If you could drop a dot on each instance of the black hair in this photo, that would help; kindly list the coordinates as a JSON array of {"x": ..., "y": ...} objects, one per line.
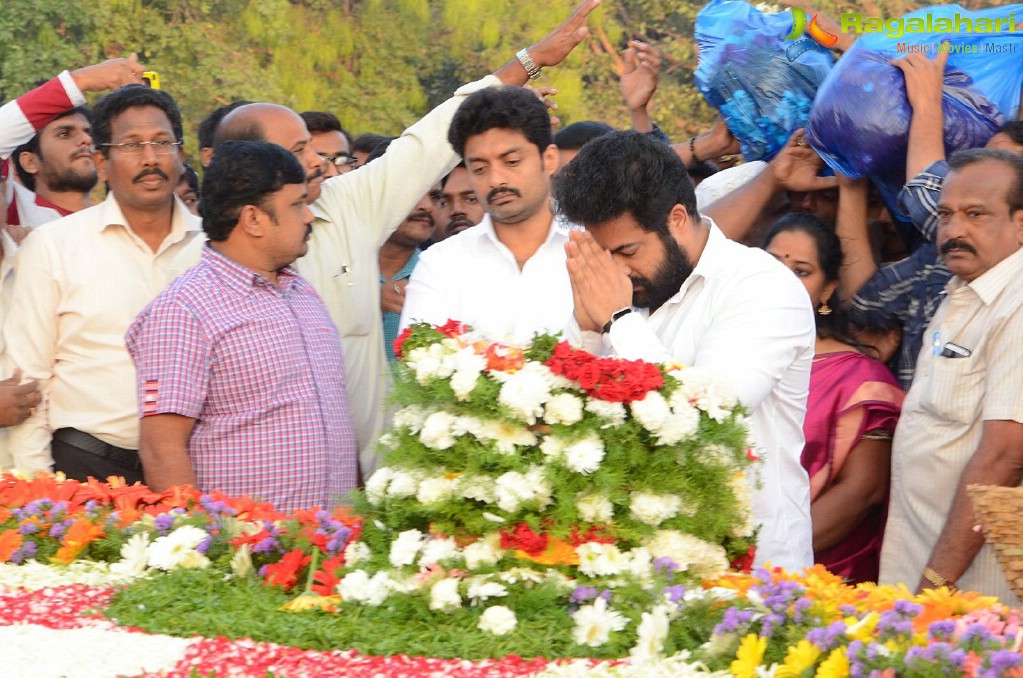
[
  {"x": 191, "y": 176},
  {"x": 829, "y": 257},
  {"x": 971, "y": 156},
  {"x": 208, "y": 126},
  {"x": 365, "y": 143},
  {"x": 1014, "y": 130},
  {"x": 378, "y": 150},
  {"x": 623, "y": 172},
  {"x": 573, "y": 137},
  {"x": 27, "y": 179},
  {"x": 511, "y": 108},
  {"x": 319, "y": 122},
  {"x": 702, "y": 170},
  {"x": 131, "y": 96},
  {"x": 444, "y": 181},
  {"x": 243, "y": 173}
]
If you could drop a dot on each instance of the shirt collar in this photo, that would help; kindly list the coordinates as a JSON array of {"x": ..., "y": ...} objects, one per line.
[
  {"x": 182, "y": 221},
  {"x": 241, "y": 279},
  {"x": 711, "y": 260},
  {"x": 487, "y": 226},
  {"x": 991, "y": 283}
]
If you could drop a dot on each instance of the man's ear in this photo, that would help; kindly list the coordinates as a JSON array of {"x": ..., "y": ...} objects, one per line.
[
  {"x": 1017, "y": 220},
  {"x": 100, "y": 160},
  {"x": 678, "y": 220},
  {"x": 551, "y": 160},
  {"x": 29, "y": 162},
  {"x": 253, "y": 221}
]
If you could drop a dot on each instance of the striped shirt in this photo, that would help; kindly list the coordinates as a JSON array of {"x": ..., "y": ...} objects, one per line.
[
  {"x": 259, "y": 368},
  {"x": 943, "y": 421}
]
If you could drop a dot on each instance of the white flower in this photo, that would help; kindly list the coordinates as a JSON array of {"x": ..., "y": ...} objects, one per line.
[
  {"x": 444, "y": 595},
  {"x": 241, "y": 561},
  {"x": 486, "y": 551},
  {"x": 435, "y": 490},
  {"x": 613, "y": 412},
  {"x": 692, "y": 554},
  {"x": 506, "y": 435},
  {"x": 525, "y": 391},
  {"x": 600, "y": 560},
  {"x": 134, "y": 555},
  {"x": 654, "y": 509},
  {"x": 720, "y": 455},
  {"x": 497, "y": 620},
  {"x": 403, "y": 484},
  {"x": 743, "y": 496},
  {"x": 405, "y": 548},
  {"x": 552, "y": 446},
  {"x": 376, "y": 486},
  {"x": 668, "y": 422},
  {"x": 525, "y": 575},
  {"x": 467, "y": 368},
  {"x": 481, "y": 589},
  {"x": 492, "y": 517},
  {"x": 438, "y": 550},
  {"x": 709, "y": 392},
  {"x": 594, "y": 508},
  {"x": 651, "y": 411},
  {"x": 679, "y": 425},
  {"x": 359, "y": 587},
  {"x": 651, "y": 634},
  {"x": 511, "y": 491},
  {"x": 357, "y": 552},
  {"x": 584, "y": 456},
  {"x": 411, "y": 417},
  {"x": 536, "y": 476},
  {"x": 563, "y": 408},
  {"x": 594, "y": 623},
  {"x": 432, "y": 362},
  {"x": 177, "y": 549},
  {"x": 640, "y": 563},
  {"x": 437, "y": 431},
  {"x": 478, "y": 487}
]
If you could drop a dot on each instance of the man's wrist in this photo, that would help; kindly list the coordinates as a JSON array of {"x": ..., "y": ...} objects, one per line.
[
  {"x": 617, "y": 315},
  {"x": 937, "y": 580}
]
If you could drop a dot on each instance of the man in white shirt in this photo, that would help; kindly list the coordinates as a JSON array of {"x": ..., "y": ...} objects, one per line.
[
  {"x": 356, "y": 212},
  {"x": 80, "y": 282},
  {"x": 506, "y": 277},
  {"x": 654, "y": 281}
]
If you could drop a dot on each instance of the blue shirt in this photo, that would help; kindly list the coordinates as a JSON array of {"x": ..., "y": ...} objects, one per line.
[{"x": 391, "y": 319}]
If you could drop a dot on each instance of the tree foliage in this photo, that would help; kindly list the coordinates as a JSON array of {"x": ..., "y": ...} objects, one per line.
[{"x": 378, "y": 64}]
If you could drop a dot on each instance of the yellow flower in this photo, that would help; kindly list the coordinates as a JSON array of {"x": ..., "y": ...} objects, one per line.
[
  {"x": 749, "y": 657},
  {"x": 862, "y": 629},
  {"x": 835, "y": 666},
  {"x": 800, "y": 657},
  {"x": 311, "y": 601}
]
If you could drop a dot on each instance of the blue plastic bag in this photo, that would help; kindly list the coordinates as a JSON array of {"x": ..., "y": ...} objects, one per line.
[
  {"x": 860, "y": 121},
  {"x": 761, "y": 83}
]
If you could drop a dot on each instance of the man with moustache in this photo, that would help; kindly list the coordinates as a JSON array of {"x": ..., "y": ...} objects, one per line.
[
  {"x": 654, "y": 281},
  {"x": 356, "y": 213},
  {"x": 240, "y": 379},
  {"x": 505, "y": 277},
  {"x": 79, "y": 283},
  {"x": 46, "y": 133},
  {"x": 458, "y": 205},
  {"x": 398, "y": 258},
  {"x": 962, "y": 421}
]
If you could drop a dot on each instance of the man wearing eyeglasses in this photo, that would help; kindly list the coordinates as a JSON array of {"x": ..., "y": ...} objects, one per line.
[
  {"x": 79, "y": 283},
  {"x": 331, "y": 142}
]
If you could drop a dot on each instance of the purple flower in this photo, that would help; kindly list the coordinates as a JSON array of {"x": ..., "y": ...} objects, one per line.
[
  {"x": 1000, "y": 662},
  {"x": 266, "y": 545},
  {"x": 827, "y": 638},
  {"x": 675, "y": 593},
  {"x": 941, "y": 630},
  {"x": 769, "y": 622},
  {"x": 975, "y": 633},
  {"x": 163, "y": 523},
  {"x": 582, "y": 594},
  {"x": 605, "y": 594},
  {"x": 57, "y": 530},
  {"x": 24, "y": 552},
  {"x": 204, "y": 545},
  {"x": 732, "y": 620},
  {"x": 28, "y": 528},
  {"x": 665, "y": 566},
  {"x": 337, "y": 543}
]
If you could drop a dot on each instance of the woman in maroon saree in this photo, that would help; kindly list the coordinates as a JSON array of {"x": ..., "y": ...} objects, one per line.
[{"x": 851, "y": 412}]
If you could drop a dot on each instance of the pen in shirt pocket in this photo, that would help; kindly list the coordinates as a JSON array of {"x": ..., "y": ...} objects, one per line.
[{"x": 951, "y": 350}]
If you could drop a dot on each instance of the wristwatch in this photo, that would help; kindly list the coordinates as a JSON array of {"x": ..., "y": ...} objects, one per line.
[
  {"x": 615, "y": 316},
  {"x": 532, "y": 70}
]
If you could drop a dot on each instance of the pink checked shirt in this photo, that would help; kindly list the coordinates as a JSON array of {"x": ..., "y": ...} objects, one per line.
[{"x": 259, "y": 368}]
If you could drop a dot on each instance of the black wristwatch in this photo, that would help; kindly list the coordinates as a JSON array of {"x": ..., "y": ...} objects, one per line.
[{"x": 615, "y": 316}]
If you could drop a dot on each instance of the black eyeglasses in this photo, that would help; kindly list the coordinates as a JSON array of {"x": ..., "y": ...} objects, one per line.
[{"x": 340, "y": 160}]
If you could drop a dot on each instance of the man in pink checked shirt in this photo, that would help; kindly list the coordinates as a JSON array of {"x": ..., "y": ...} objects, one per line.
[{"x": 241, "y": 384}]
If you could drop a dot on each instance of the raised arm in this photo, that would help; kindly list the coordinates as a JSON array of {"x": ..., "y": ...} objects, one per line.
[
  {"x": 638, "y": 82},
  {"x": 924, "y": 80},
  {"x": 858, "y": 264}
]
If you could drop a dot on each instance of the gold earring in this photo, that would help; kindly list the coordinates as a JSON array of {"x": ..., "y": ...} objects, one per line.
[{"x": 824, "y": 309}]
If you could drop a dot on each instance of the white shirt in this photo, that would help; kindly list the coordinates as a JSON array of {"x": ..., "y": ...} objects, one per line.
[
  {"x": 474, "y": 278},
  {"x": 355, "y": 214},
  {"x": 746, "y": 318},
  {"x": 10, "y": 249},
  {"x": 79, "y": 283}
]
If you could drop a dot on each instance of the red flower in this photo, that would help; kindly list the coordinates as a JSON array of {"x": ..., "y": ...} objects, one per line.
[
  {"x": 284, "y": 573},
  {"x": 400, "y": 340},
  {"x": 326, "y": 579},
  {"x": 744, "y": 563},
  {"x": 588, "y": 375},
  {"x": 524, "y": 539},
  {"x": 453, "y": 328}
]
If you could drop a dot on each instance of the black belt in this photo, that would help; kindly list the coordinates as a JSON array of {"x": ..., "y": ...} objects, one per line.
[{"x": 93, "y": 445}]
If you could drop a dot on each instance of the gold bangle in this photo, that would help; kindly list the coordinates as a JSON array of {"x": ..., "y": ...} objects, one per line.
[{"x": 932, "y": 576}]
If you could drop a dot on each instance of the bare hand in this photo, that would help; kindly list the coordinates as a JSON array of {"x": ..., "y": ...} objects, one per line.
[
  {"x": 796, "y": 165},
  {"x": 599, "y": 285},
  {"x": 110, "y": 74},
  {"x": 17, "y": 400},
  {"x": 924, "y": 77},
  {"x": 638, "y": 81},
  {"x": 392, "y": 295},
  {"x": 556, "y": 45},
  {"x": 720, "y": 140},
  {"x": 544, "y": 94}
]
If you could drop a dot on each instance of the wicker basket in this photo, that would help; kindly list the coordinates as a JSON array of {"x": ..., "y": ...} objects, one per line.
[{"x": 1000, "y": 511}]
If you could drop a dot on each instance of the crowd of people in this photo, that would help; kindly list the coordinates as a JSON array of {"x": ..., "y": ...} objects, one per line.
[{"x": 238, "y": 334}]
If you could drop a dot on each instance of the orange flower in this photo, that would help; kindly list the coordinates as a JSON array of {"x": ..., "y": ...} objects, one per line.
[
  {"x": 78, "y": 537},
  {"x": 10, "y": 541},
  {"x": 284, "y": 573},
  {"x": 558, "y": 552}
]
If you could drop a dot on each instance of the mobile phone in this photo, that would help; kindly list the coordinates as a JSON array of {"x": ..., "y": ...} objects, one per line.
[{"x": 151, "y": 79}]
